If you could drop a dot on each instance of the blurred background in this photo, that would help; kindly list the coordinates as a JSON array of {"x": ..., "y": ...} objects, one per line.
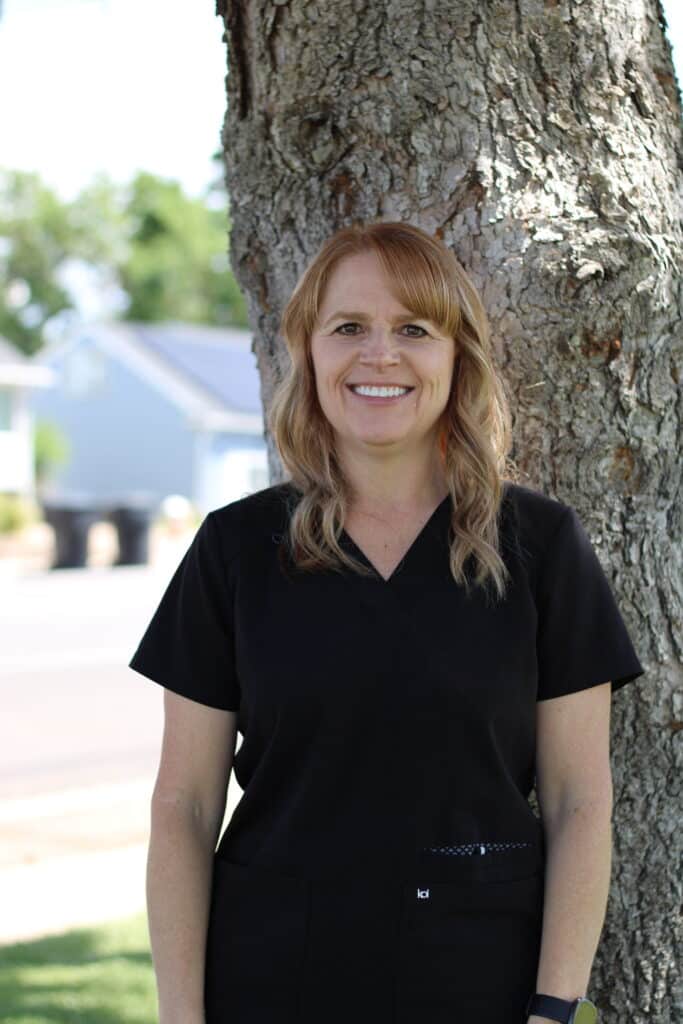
[{"x": 129, "y": 407}]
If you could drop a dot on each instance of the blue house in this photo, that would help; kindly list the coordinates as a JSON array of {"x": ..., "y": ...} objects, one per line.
[
  {"x": 155, "y": 409},
  {"x": 20, "y": 378}
]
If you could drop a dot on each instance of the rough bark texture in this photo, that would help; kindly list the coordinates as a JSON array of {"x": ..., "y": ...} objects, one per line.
[{"x": 542, "y": 141}]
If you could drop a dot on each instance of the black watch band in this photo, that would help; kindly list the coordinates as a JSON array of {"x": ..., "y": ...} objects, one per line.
[{"x": 566, "y": 1011}]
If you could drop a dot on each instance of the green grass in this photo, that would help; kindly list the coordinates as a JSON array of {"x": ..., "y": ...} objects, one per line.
[{"x": 101, "y": 975}]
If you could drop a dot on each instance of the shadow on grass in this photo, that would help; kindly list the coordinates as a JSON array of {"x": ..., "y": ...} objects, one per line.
[{"x": 95, "y": 975}]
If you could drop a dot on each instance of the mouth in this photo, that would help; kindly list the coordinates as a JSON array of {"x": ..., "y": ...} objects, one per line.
[{"x": 385, "y": 394}]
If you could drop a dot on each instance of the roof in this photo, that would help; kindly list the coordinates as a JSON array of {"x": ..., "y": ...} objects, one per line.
[
  {"x": 210, "y": 372},
  {"x": 219, "y": 359}
]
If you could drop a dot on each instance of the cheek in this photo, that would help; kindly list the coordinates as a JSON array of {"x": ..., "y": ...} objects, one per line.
[
  {"x": 434, "y": 380},
  {"x": 331, "y": 388},
  {"x": 327, "y": 363},
  {"x": 442, "y": 376}
]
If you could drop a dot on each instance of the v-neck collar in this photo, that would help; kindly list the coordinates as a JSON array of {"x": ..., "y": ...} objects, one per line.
[{"x": 409, "y": 554}]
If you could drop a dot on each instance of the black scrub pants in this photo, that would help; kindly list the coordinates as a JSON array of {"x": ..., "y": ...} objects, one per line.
[{"x": 287, "y": 950}]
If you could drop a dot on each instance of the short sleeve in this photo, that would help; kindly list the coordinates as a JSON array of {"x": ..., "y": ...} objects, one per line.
[
  {"x": 188, "y": 645},
  {"x": 582, "y": 640}
]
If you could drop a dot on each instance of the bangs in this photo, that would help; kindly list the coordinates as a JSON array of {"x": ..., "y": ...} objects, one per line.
[{"x": 419, "y": 284}]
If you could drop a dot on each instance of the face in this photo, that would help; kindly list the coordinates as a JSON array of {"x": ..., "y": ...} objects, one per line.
[{"x": 363, "y": 335}]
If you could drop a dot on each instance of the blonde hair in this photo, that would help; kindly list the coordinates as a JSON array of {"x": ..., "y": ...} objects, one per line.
[{"x": 476, "y": 433}]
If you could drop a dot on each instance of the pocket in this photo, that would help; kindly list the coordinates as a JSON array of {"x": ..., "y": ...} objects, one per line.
[
  {"x": 255, "y": 944},
  {"x": 468, "y": 948}
]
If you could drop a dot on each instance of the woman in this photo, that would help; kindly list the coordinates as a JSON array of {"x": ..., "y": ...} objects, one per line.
[{"x": 406, "y": 639}]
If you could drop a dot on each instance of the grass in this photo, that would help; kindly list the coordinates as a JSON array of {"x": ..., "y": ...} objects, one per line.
[{"x": 100, "y": 975}]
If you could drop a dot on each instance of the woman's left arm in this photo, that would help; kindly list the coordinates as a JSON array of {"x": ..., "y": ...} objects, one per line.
[{"x": 574, "y": 789}]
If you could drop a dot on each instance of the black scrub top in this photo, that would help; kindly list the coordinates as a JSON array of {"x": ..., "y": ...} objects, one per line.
[{"x": 388, "y": 726}]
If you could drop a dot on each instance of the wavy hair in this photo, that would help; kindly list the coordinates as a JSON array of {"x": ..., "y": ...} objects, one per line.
[{"x": 475, "y": 430}]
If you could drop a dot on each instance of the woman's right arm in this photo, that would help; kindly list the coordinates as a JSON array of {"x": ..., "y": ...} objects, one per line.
[{"x": 187, "y": 809}]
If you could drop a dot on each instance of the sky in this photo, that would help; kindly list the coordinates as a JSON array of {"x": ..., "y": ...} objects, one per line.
[
  {"x": 125, "y": 85},
  {"x": 111, "y": 85}
]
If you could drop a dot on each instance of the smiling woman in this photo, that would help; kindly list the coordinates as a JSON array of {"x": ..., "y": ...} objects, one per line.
[{"x": 384, "y": 863}]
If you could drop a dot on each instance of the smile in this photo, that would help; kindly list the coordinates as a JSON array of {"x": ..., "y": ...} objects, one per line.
[{"x": 379, "y": 395}]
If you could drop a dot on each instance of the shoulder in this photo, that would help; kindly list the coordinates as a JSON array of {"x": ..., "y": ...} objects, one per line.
[
  {"x": 252, "y": 519},
  {"x": 532, "y": 518},
  {"x": 535, "y": 510}
]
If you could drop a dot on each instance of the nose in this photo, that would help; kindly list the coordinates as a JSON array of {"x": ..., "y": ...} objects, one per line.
[{"x": 379, "y": 348}]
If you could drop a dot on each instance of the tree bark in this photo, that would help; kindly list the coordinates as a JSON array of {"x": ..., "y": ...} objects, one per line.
[{"x": 542, "y": 142}]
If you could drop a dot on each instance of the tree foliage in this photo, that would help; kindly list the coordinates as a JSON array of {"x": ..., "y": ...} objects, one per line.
[{"x": 144, "y": 251}]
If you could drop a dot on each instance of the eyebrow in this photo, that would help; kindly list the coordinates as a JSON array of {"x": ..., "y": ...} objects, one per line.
[{"x": 364, "y": 316}]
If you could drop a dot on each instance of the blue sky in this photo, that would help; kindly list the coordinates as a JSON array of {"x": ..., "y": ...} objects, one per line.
[{"x": 121, "y": 85}]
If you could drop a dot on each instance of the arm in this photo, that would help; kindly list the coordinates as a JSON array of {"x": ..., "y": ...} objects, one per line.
[
  {"x": 574, "y": 788},
  {"x": 187, "y": 810},
  {"x": 178, "y": 887}
]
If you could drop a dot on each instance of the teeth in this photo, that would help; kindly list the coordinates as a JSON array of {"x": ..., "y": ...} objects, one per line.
[{"x": 378, "y": 392}]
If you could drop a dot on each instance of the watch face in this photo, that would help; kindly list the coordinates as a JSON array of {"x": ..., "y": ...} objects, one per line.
[{"x": 585, "y": 1012}]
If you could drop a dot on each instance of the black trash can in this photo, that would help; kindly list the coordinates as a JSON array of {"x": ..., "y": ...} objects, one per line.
[
  {"x": 132, "y": 522},
  {"x": 71, "y": 523}
]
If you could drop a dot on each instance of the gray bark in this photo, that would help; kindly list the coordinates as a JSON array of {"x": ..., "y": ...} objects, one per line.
[{"x": 542, "y": 142}]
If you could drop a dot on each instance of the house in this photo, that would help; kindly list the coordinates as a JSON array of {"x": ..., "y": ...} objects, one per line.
[
  {"x": 154, "y": 409},
  {"x": 20, "y": 379}
]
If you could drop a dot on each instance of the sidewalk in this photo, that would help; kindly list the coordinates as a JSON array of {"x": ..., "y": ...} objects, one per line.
[
  {"x": 74, "y": 857},
  {"x": 85, "y": 890}
]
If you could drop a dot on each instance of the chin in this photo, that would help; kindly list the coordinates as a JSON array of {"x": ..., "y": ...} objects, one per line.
[{"x": 380, "y": 439}]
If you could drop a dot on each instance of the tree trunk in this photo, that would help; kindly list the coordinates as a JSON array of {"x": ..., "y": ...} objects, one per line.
[{"x": 542, "y": 142}]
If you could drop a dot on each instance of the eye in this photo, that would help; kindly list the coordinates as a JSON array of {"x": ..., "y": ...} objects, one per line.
[{"x": 339, "y": 330}]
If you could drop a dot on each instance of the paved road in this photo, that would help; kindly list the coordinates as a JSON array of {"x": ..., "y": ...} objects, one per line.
[{"x": 79, "y": 744}]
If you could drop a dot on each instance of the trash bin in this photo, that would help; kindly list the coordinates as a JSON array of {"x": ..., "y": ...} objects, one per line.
[
  {"x": 71, "y": 524},
  {"x": 132, "y": 521}
]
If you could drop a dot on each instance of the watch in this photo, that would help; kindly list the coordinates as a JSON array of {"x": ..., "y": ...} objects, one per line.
[{"x": 567, "y": 1011}]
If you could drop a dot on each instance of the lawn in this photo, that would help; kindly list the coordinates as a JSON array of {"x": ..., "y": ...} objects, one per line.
[{"x": 99, "y": 975}]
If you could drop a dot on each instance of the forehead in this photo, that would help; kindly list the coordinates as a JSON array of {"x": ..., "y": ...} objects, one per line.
[{"x": 360, "y": 282}]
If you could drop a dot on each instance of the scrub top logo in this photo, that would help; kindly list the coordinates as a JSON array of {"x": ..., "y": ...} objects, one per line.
[{"x": 423, "y": 894}]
